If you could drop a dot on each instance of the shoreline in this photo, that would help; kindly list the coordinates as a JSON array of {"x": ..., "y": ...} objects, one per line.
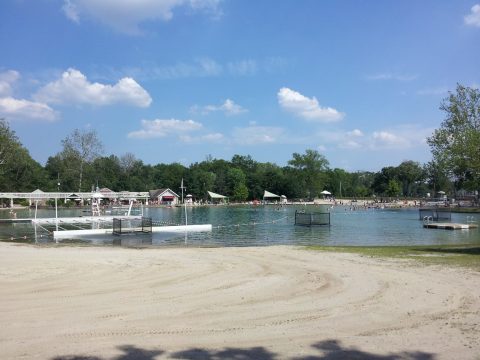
[{"x": 265, "y": 302}]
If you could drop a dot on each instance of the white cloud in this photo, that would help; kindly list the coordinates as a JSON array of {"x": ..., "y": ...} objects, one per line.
[
  {"x": 160, "y": 128},
  {"x": 386, "y": 139},
  {"x": 256, "y": 135},
  {"x": 208, "y": 138},
  {"x": 242, "y": 68},
  {"x": 307, "y": 108},
  {"x": 355, "y": 133},
  {"x": 473, "y": 19},
  {"x": 229, "y": 108},
  {"x": 25, "y": 109},
  {"x": 200, "y": 67},
  {"x": 7, "y": 79},
  {"x": 126, "y": 15},
  {"x": 442, "y": 90},
  {"x": 391, "y": 76},
  {"x": 74, "y": 88},
  {"x": 400, "y": 137},
  {"x": 197, "y": 67}
]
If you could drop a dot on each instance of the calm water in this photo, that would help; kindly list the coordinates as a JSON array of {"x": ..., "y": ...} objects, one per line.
[{"x": 268, "y": 225}]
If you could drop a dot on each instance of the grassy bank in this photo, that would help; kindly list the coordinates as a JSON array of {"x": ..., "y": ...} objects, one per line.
[{"x": 451, "y": 255}]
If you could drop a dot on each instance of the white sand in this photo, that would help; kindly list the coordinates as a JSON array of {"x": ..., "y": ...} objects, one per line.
[{"x": 242, "y": 303}]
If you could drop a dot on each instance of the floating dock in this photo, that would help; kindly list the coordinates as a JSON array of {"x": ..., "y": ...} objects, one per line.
[
  {"x": 68, "y": 234},
  {"x": 449, "y": 226},
  {"x": 80, "y": 220}
]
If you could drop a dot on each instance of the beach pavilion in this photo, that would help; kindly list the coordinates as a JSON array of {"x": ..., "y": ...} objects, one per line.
[
  {"x": 271, "y": 197},
  {"x": 217, "y": 198}
]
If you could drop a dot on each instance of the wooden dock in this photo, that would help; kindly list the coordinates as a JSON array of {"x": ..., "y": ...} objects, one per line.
[{"x": 449, "y": 226}]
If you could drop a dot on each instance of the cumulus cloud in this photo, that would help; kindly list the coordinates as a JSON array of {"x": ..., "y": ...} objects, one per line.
[
  {"x": 7, "y": 78},
  {"x": 74, "y": 88},
  {"x": 387, "y": 139},
  {"x": 306, "y": 108},
  {"x": 355, "y": 133},
  {"x": 401, "y": 137},
  {"x": 229, "y": 108},
  {"x": 473, "y": 19},
  {"x": 161, "y": 128},
  {"x": 126, "y": 15},
  {"x": 14, "y": 108},
  {"x": 25, "y": 109},
  {"x": 256, "y": 135}
]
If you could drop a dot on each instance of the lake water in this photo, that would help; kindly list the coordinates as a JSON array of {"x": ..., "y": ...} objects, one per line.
[{"x": 268, "y": 225}]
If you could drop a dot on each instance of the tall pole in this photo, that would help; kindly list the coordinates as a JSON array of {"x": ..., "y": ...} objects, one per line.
[{"x": 185, "y": 206}]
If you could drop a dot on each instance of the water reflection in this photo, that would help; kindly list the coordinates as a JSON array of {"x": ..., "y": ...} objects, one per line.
[{"x": 266, "y": 225}]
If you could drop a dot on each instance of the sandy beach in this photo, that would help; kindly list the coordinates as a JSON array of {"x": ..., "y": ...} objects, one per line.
[{"x": 231, "y": 303}]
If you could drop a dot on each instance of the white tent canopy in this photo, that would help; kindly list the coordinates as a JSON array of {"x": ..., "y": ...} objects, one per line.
[
  {"x": 325, "y": 192},
  {"x": 269, "y": 195},
  {"x": 216, "y": 196}
]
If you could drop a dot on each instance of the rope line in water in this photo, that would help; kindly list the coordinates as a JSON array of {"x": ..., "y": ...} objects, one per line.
[
  {"x": 250, "y": 224},
  {"x": 253, "y": 223}
]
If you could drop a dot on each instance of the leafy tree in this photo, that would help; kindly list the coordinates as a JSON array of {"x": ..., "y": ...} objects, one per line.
[
  {"x": 8, "y": 142},
  {"x": 236, "y": 182},
  {"x": 393, "y": 188},
  {"x": 339, "y": 183},
  {"x": 456, "y": 144},
  {"x": 200, "y": 181},
  {"x": 106, "y": 172},
  {"x": 311, "y": 168},
  {"x": 436, "y": 177},
  {"x": 18, "y": 171},
  {"x": 382, "y": 179},
  {"x": 80, "y": 148},
  {"x": 410, "y": 174}
]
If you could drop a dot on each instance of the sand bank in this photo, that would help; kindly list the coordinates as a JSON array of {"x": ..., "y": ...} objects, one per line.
[{"x": 223, "y": 303}]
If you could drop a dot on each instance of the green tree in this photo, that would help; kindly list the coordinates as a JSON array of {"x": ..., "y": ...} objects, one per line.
[
  {"x": 382, "y": 179},
  {"x": 456, "y": 144},
  {"x": 236, "y": 183},
  {"x": 393, "y": 188},
  {"x": 80, "y": 149},
  {"x": 18, "y": 171},
  {"x": 311, "y": 168},
  {"x": 410, "y": 174}
]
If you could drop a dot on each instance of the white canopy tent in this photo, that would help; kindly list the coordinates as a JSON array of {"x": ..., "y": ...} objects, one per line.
[
  {"x": 269, "y": 195},
  {"x": 217, "y": 197}
]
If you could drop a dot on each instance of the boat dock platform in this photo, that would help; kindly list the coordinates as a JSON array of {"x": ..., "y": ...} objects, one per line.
[
  {"x": 449, "y": 226},
  {"x": 66, "y": 234}
]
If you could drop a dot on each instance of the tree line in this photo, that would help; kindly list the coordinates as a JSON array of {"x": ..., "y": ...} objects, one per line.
[{"x": 81, "y": 166}]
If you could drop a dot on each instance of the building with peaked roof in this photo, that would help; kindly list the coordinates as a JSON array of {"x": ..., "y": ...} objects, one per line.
[
  {"x": 164, "y": 197},
  {"x": 271, "y": 197},
  {"x": 217, "y": 198}
]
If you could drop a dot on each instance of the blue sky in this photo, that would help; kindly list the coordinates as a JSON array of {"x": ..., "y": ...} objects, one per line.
[{"x": 177, "y": 80}]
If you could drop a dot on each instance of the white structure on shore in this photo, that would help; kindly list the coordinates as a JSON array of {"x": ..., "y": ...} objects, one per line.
[
  {"x": 38, "y": 195},
  {"x": 164, "y": 197},
  {"x": 271, "y": 197}
]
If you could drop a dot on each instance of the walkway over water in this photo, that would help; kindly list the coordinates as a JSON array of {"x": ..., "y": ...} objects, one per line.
[{"x": 40, "y": 195}]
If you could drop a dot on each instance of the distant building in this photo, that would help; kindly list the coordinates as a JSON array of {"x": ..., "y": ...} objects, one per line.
[{"x": 164, "y": 197}]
